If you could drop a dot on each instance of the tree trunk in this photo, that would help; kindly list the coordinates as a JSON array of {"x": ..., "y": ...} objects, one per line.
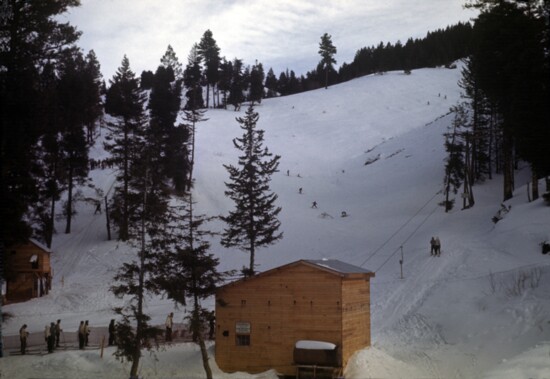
[
  {"x": 204, "y": 354},
  {"x": 69, "y": 208},
  {"x": 508, "y": 168},
  {"x": 50, "y": 227},
  {"x": 535, "y": 186}
]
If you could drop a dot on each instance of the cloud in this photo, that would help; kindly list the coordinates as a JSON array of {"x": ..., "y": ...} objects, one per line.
[{"x": 280, "y": 34}]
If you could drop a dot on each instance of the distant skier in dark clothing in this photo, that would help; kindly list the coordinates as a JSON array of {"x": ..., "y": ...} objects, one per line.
[
  {"x": 112, "y": 331},
  {"x": 98, "y": 207},
  {"x": 437, "y": 247},
  {"x": 314, "y": 204}
]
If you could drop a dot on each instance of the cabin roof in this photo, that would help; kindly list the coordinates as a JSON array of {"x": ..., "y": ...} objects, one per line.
[
  {"x": 40, "y": 245},
  {"x": 332, "y": 266},
  {"x": 339, "y": 266}
]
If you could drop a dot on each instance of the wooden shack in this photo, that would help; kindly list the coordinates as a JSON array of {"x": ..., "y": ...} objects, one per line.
[
  {"x": 260, "y": 319},
  {"x": 29, "y": 272}
]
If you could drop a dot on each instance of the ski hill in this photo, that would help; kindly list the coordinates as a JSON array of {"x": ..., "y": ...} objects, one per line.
[{"x": 372, "y": 148}]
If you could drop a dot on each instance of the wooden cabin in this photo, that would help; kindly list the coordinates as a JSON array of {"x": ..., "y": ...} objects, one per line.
[
  {"x": 260, "y": 319},
  {"x": 29, "y": 272}
]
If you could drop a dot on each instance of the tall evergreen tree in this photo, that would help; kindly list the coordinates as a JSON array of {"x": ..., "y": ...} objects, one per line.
[
  {"x": 31, "y": 35},
  {"x": 253, "y": 223},
  {"x": 136, "y": 279},
  {"x": 271, "y": 83},
  {"x": 170, "y": 59},
  {"x": 509, "y": 68},
  {"x": 192, "y": 118},
  {"x": 236, "y": 91},
  {"x": 210, "y": 53},
  {"x": 51, "y": 181},
  {"x": 125, "y": 102},
  {"x": 169, "y": 140},
  {"x": 192, "y": 79},
  {"x": 73, "y": 94},
  {"x": 454, "y": 163},
  {"x": 94, "y": 107},
  {"x": 327, "y": 51},
  {"x": 224, "y": 84},
  {"x": 257, "y": 83},
  {"x": 187, "y": 271}
]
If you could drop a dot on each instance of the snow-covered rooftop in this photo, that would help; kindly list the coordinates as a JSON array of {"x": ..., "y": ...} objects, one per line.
[{"x": 338, "y": 266}]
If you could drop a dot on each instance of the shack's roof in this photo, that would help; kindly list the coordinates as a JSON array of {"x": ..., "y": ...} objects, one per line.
[
  {"x": 332, "y": 266},
  {"x": 339, "y": 266}
]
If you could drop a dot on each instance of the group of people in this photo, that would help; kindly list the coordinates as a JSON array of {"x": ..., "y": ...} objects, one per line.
[
  {"x": 435, "y": 247},
  {"x": 83, "y": 334},
  {"x": 52, "y": 334}
]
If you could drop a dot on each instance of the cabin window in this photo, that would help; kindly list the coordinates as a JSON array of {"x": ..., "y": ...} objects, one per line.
[
  {"x": 243, "y": 339},
  {"x": 242, "y": 334},
  {"x": 34, "y": 262}
]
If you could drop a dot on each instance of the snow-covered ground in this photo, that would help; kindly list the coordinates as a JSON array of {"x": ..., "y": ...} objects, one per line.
[{"x": 460, "y": 315}]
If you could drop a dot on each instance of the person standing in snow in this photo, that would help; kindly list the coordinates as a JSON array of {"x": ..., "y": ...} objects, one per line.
[
  {"x": 112, "y": 329},
  {"x": 23, "y": 335},
  {"x": 86, "y": 333},
  {"x": 432, "y": 246},
  {"x": 58, "y": 331},
  {"x": 46, "y": 334},
  {"x": 169, "y": 323},
  {"x": 314, "y": 204},
  {"x": 437, "y": 247},
  {"x": 50, "y": 340},
  {"x": 81, "y": 335}
]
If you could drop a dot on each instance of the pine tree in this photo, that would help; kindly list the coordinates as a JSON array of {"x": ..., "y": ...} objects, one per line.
[
  {"x": 50, "y": 182},
  {"x": 31, "y": 37},
  {"x": 257, "y": 83},
  {"x": 455, "y": 165},
  {"x": 192, "y": 118},
  {"x": 210, "y": 53},
  {"x": 187, "y": 271},
  {"x": 125, "y": 102},
  {"x": 136, "y": 279},
  {"x": 236, "y": 95},
  {"x": 515, "y": 90},
  {"x": 73, "y": 95},
  {"x": 170, "y": 59},
  {"x": 192, "y": 79},
  {"x": 271, "y": 83},
  {"x": 327, "y": 51},
  {"x": 94, "y": 107},
  {"x": 169, "y": 140},
  {"x": 253, "y": 223},
  {"x": 224, "y": 84}
]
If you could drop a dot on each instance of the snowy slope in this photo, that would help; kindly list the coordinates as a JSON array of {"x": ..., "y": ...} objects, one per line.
[{"x": 450, "y": 317}]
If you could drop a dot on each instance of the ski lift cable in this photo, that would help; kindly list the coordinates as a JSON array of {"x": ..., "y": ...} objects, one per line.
[
  {"x": 398, "y": 230},
  {"x": 409, "y": 237}
]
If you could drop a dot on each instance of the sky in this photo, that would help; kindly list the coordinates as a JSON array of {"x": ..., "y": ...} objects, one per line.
[{"x": 280, "y": 34}]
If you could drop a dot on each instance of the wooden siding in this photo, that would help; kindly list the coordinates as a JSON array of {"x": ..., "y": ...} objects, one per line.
[
  {"x": 26, "y": 280},
  {"x": 295, "y": 302},
  {"x": 356, "y": 328},
  {"x": 19, "y": 258}
]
